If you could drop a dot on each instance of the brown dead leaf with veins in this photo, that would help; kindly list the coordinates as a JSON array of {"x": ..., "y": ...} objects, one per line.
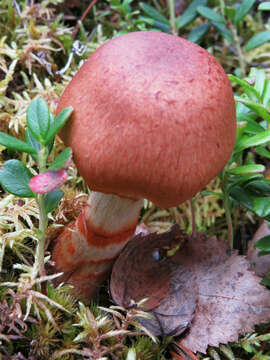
[
  {"x": 260, "y": 264},
  {"x": 203, "y": 286}
]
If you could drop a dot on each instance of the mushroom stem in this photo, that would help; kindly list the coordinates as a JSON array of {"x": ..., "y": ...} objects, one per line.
[{"x": 85, "y": 251}]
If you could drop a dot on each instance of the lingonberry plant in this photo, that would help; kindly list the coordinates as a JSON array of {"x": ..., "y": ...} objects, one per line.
[
  {"x": 16, "y": 178},
  {"x": 243, "y": 182}
]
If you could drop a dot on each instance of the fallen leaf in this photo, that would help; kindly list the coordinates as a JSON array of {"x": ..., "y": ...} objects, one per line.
[
  {"x": 212, "y": 286},
  {"x": 261, "y": 264},
  {"x": 144, "y": 271}
]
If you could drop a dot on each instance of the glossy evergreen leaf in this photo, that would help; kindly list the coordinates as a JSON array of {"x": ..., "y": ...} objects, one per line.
[
  {"x": 32, "y": 142},
  {"x": 213, "y": 193},
  {"x": 243, "y": 196},
  {"x": 243, "y": 10},
  {"x": 38, "y": 119},
  {"x": 52, "y": 199},
  {"x": 156, "y": 24},
  {"x": 263, "y": 243},
  {"x": 263, "y": 152},
  {"x": 189, "y": 14},
  {"x": 251, "y": 92},
  {"x": 15, "y": 144},
  {"x": 253, "y": 127},
  {"x": 222, "y": 29},
  {"x": 260, "y": 139},
  {"x": 262, "y": 206},
  {"x": 58, "y": 123},
  {"x": 243, "y": 180},
  {"x": 210, "y": 14},
  {"x": 154, "y": 14},
  {"x": 240, "y": 131},
  {"x": 15, "y": 177},
  {"x": 258, "y": 40},
  {"x": 62, "y": 160},
  {"x": 259, "y": 76},
  {"x": 266, "y": 93},
  {"x": 259, "y": 187},
  {"x": 247, "y": 169},
  {"x": 198, "y": 33},
  {"x": 265, "y": 6},
  {"x": 258, "y": 108}
]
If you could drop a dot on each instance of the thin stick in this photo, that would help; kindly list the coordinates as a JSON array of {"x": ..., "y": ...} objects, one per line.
[
  {"x": 76, "y": 28},
  {"x": 193, "y": 221}
]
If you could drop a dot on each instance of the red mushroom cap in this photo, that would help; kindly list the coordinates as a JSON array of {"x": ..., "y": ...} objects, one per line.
[{"x": 154, "y": 117}]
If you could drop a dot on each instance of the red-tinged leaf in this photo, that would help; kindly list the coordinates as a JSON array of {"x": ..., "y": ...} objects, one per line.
[
  {"x": 210, "y": 290},
  {"x": 48, "y": 181},
  {"x": 143, "y": 271}
]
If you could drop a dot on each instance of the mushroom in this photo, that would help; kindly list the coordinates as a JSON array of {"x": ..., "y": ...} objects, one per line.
[{"x": 154, "y": 117}]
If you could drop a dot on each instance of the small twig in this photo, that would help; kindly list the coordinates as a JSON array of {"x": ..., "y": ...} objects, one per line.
[
  {"x": 193, "y": 221},
  {"x": 172, "y": 16},
  {"x": 241, "y": 58},
  {"x": 76, "y": 28}
]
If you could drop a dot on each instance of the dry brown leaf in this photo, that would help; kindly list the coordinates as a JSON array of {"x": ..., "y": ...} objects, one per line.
[
  {"x": 231, "y": 300},
  {"x": 203, "y": 276},
  {"x": 261, "y": 264},
  {"x": 144, "y": 271},
  {"x": 137, "y": 275}
]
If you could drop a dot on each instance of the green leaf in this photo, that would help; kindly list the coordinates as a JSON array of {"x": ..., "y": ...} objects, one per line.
[
  {"x": 266, "y": 94},
  {"x": 198, "y": 33},
  {"x": 251, "y": 92},
  {"x": 260, "y": 77},
  {"x": 156, "y": 24},
  {"x": 244, "y": 197},
  {"x": 258, "y": 40},
  {"x": 60, "y": 161},
  {"x": 213, "y": 193},
  {"x": 210, "y": 14},
  {"x": 263, "y": 243},
  {"x": 38, "y": 119},
  {"x": 253, "y": 127},
  {"x": 265, "y": 6},
  {"x": 258, "y": 108},
  {"x": 247, "y": 169},
  {"x": 262, "y": 206},
  {"x": 32, "y": 142},
  {"x": 189, "y": 14},
  {"x": 52, "y": 200},
  {"x": 154, "y": 14},
  {"x": 58, "y": 123},
  {"x": 243, "y": 9},
  {"x": 222, "y": 29},
  {"x": 15, "y": 144},
  {"x": 14, "y": 177},
  {"x": 260, "y": 187},
  {"x": 262, "y": 253},
  {"x": 263, "y": 152},
  {"x": 259, "y": 139},
  {"x": 243, "y": 180}
]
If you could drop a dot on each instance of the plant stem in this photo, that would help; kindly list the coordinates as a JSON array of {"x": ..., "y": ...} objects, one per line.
[
  {"x": 172, "y": 16},
  {"x": 242, "y": 62},
  {"x": 193, "y": 219},
  {"x": 43, "y": 221},
  {"x": 222, "y": 7},
  {"x": 226, "y": 202}
]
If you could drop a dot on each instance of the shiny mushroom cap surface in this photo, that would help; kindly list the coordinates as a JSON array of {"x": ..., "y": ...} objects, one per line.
[{"x": 154, "y": 117}]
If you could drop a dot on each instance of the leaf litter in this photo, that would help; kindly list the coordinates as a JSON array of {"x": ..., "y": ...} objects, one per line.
[{"x": 204, "y": 291}]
